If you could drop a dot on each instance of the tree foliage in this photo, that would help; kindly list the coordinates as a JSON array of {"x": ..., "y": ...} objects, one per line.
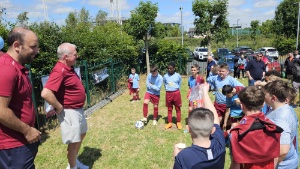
[
  {"x": 22, "y": 18},
  {"x": 254, "y": 27},
  {"x": 140, "y": 24},
  {"x": 286, "y": 19},
  {"x": 210, "y": 19},
  {"x": 140, "y": 19},
  {"x": 266, "y": 28}
]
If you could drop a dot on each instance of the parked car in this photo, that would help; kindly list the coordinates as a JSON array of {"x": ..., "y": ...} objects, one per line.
[
  {"x": 220, "y": 52},
  {"x": 228, "y": 59},
  {"x": 269, "y": 51},
  {"x": 190, "y": 54},
  {"x": 242, "y": 50},
  {"x": 273, "y": 64},
  {"x": 200, "y": 53}
]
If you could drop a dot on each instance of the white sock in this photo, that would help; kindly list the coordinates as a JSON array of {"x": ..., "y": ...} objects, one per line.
[{"x": 74, "y": 167}]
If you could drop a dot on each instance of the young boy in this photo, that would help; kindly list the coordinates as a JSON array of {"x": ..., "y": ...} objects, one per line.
[
  {"x": 153, "y": 82},
  {"x": 255, "y": 141},
  {"x": 233, "y": 107},
  {"x": 172, "y": 83},
  {"x": 134, "y": 83},
  {"x": 217, "y": 83},
  {"x": 194, "y": 80},
  {"x": 276, "y": 95},
  {"x": 208, "y": 148}
]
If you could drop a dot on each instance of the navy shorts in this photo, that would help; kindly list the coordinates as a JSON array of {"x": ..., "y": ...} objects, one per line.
[{"x": 19, "y": 157}]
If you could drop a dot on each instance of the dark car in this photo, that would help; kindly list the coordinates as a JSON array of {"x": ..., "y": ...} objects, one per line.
[
  {"x": 220, "y": 52},
  {"x": 190, "y": 54},
  {"x": 229, "y": 60},
  {"x": 245, "y": 50}
]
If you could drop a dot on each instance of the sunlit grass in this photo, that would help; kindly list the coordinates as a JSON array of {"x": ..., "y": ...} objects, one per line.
[{"x": 113, "y": 142}]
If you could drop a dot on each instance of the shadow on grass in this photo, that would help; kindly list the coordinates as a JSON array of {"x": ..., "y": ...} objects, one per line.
[
  {"x": 174, "y": 119},
  {"x": 150, "y": 117},
  {"x": 89, "y": 156}
]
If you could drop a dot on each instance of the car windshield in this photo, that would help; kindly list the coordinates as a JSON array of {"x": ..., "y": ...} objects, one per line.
[
  {"x": 202, "y": 49},
  {"x": 246, "y": 49},
  {"x": 229, "y": 60},
  {"x": 271, "y": 50}
]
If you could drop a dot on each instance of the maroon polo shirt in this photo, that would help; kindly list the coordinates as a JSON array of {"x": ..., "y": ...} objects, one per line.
[
  {"x": 15, "y": 84},
  {"x": 66, "y": 85}
]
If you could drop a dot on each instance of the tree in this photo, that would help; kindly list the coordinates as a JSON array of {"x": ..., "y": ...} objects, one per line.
[
  {"x": 22, "y": 18},
  {"x": 101, "y": 18},
  {"x": 254, "y": 27},
  {"x": 266, "y": 27},
  {"x": 286, "y": 19},
  {"x": 140, "y": 24},
  {"x": 210, "y": 19}
]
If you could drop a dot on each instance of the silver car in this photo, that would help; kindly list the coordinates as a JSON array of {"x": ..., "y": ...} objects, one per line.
[{"x": 269, "y": 51}]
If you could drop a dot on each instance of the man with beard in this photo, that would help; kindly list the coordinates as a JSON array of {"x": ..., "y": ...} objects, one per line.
[{"x": 19, "y": 139}]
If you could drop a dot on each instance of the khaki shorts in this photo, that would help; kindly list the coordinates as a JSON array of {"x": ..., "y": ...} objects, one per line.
[{"x": 72, "y": 125}]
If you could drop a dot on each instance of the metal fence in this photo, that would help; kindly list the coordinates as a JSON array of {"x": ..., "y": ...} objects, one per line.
[
  {"x": 100, "y": 79},
  {"x": 202, "y": 66}
]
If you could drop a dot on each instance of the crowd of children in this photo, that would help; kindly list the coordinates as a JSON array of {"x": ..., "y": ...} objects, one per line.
[{"x": 258, "y": 120}]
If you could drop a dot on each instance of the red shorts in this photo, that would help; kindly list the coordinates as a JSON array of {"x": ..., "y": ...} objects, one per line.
[
  {"x": 221, "y": 109},
  {"x": 235, "y": 120},
  {"x": 134, "y": 90},
  {"x": 154, "y": 99},
  {"x": 173, "y": 98}
]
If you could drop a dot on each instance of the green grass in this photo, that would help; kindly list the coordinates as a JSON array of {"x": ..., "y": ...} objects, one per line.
[{"x": 113, "y": 142}]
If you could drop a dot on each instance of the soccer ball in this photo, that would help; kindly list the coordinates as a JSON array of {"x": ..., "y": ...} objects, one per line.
[{"x": 139, "y": 125}]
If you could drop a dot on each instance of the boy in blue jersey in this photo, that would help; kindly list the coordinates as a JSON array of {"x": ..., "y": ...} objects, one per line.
[
  {"x": 233, "y": 107},
  {"x": 194, "y": 80},
  {"x": 276, "y": 96},
  {"x": 217, "y": 83},
  {"x": 208, "y": 148},
  {"x": 134, "y": 80},
  {"x": 172, "y": 83},
  {"x": 153, "y": 82}
]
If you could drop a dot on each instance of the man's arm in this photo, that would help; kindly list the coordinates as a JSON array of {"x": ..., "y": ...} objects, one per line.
[
  {"x": 49, "y": 97},
  {"x": 10, "y": 120}
]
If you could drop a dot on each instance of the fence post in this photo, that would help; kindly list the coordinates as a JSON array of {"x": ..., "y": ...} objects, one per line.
[
  {"x": 113, "y": 85},
  {"x": 86, "y": 75},
  {"x": 33, "y": 96}
]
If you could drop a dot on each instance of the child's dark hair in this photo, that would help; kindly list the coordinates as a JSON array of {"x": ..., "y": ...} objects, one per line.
[
  {"x": 201, "y": 122},
  {"x": 172, "y": 64},
  {"x": 292, "y": 95},
  {"x": 273, "y": 72},
  {"x": 224, "y": 66},
  {"x": 227, "y": 89},
  {"x": 153, "y": 68},
  {"x": 252, "y": 97},
  {"x": 278, "y": 88},
  {"x": 195, "y": 66}
]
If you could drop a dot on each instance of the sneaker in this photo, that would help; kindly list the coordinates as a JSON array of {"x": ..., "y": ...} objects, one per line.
[
  {"x": 80, "y": 165},
  {"x": 169, "y": 125},
  {"x": 179, "y": 126},
  {"x": 154, "y": 122},
  {"x": 68, "y": 167}
]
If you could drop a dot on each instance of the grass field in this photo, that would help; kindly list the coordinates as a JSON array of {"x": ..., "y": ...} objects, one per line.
[{"x": 112, "y": 142}]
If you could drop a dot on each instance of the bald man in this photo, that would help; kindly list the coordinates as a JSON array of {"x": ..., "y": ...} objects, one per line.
[
  {"x": 19, "y": 140},
  {"x": 65, "y": 92}
]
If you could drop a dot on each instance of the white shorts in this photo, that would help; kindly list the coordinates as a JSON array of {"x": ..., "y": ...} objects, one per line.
[{"x": 72, "y": 125}]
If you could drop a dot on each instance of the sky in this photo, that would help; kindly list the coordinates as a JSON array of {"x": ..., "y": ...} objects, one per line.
[{"x": 240, "y": 11}]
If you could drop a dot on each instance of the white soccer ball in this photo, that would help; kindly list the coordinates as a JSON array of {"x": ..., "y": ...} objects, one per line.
[{"x": 139, "y": 125}]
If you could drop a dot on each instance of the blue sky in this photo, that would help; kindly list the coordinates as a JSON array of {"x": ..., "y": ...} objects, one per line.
[{"x": 57, "y": 10}]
